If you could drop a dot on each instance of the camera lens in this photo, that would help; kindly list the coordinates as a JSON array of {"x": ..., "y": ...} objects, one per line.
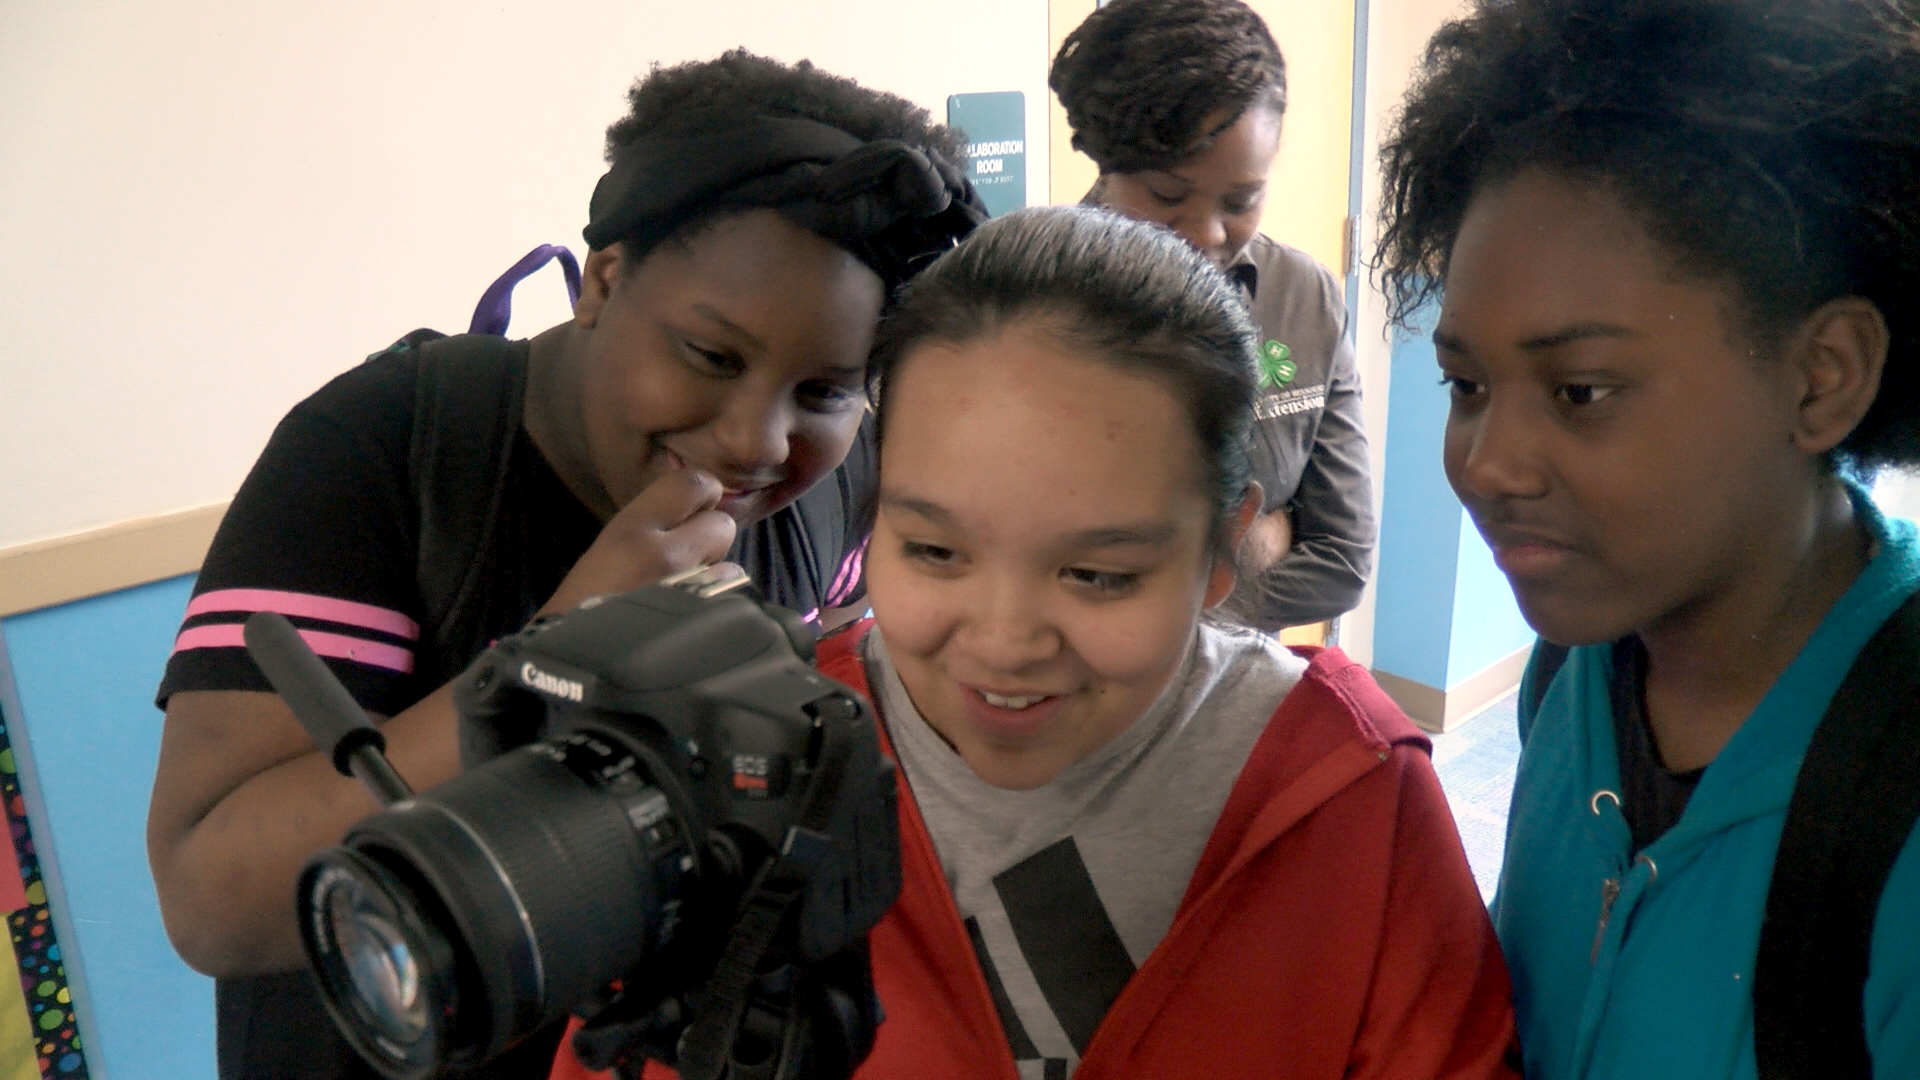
[
  {"x": 385, "y": 977},
  {"x": 384, "y": 966},
  {"x": 452, "y": 925}
]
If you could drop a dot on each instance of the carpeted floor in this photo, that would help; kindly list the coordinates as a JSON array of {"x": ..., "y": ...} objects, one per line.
[{"x": 1476, "y": 762}]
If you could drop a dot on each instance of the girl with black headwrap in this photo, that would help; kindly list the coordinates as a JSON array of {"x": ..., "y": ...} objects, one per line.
[{"x": 706, "y": 401}]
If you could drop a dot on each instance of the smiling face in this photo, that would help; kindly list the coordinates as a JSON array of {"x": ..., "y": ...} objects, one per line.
[
  {"x": 1213, "y": 199},
  {"x": 740, "y": 351},
  {"x": 1042, "y": 553},
  {"x": 1620, "y": 441}
]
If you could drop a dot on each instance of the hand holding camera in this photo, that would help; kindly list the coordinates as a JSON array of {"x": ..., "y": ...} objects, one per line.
[
  {"x": 670, "y": 825},
  {"x": 671, "y": 527}
]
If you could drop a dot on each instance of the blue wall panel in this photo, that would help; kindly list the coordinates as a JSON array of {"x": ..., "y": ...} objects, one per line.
[
  {"x": 85, "y": 674},
  {"x": 1419, "y": 521},
  {"x": 1445, "y": 612},
  {"x": 1487, "y": 626}
]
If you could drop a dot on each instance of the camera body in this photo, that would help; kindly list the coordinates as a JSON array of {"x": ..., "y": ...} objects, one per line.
[{"x": 660, "y": 793}]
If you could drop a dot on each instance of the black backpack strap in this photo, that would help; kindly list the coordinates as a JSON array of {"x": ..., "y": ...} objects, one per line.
[
  {"x": 1542, "y": 666},
  {"x": 467, "y": 407},
  {"x": 1854, "y": 804}
]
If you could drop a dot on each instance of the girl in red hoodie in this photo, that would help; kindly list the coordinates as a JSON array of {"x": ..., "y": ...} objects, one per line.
[{"x": 1134, "y": 842}]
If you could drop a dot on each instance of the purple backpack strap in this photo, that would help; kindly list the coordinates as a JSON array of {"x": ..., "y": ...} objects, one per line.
[{"x": 495, "y": 309}]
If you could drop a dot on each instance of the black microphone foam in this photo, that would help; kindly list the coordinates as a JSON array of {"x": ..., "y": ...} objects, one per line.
[{"x": 334, "y": 721}]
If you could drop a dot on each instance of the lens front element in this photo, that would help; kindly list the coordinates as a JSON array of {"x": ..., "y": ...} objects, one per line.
[
  {"x": 379, "y": 961},
  {"x": 386, "y": 981}
]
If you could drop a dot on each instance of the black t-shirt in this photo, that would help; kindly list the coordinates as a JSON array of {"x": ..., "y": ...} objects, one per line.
[
  {"x": 325, "y": 530},
  {"x": 1652, "y": 797}
]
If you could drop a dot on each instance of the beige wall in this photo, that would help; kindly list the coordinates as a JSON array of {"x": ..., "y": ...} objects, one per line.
[
  {"x": 1307, "y": 204},
  {"x": 1072, "y": 172},
  {"x": 208, "y": 209}
]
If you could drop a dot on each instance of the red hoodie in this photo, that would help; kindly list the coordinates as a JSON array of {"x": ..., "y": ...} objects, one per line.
[{"x": 1332, "y": 928}]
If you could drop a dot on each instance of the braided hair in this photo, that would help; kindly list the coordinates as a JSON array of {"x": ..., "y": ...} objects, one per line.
[
  {"x": 1140, "y": 79},
  {"x": 1769, "y": 145}
]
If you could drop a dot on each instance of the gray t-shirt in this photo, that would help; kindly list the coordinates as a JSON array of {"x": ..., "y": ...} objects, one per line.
[{"x": 1066, "y": 888}]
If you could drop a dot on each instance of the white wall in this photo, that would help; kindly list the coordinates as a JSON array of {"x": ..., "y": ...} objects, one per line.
[
  {"x": 207, "y": 209},
  {"x": 1898, "y": 493}
]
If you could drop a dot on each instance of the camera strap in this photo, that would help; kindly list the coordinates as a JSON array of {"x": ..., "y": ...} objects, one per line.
[
  {"x": 706, "y": 1048},
  {"x": 1854, "y": 805}
]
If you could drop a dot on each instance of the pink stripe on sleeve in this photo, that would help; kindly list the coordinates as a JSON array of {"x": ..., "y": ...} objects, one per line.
[
  {"x": 849, "y": 575},
  {"x": 307, "y": 606},
  {"x": 339, "y": 646}
]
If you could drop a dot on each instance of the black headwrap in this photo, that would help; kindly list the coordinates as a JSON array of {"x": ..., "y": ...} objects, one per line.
[{"x": 892, "y": 205}]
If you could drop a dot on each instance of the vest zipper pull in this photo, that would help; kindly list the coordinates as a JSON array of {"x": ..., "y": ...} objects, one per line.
[{"x": 1609, "y": 892}]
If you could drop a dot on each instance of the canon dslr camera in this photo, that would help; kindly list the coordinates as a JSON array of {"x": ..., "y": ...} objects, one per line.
[{"x": 669, "y": 824}]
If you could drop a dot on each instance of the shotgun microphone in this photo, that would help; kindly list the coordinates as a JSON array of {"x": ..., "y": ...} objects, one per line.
[{"x": 334, "y": 721}]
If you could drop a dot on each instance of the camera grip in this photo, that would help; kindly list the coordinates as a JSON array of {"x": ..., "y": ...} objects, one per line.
[{"x": 496, "y": 714}]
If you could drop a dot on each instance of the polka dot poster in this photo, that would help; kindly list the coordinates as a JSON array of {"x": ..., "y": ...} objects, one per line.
[{"x": 45, "y": 1042}]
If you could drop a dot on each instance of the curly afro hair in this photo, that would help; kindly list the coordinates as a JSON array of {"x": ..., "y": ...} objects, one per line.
[
  {"x": 740, "y": 79},
  {"x": 1772, "y": 146},
  {"x": 1141, "y": 78}
]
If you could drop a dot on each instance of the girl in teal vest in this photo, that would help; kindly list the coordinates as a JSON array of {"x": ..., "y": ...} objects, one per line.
[{"x": 1674, "y": 245}]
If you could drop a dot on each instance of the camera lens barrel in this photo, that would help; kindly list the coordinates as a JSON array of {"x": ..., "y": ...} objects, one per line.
[
  {"x": 453, "y": 924},
  {"x": 688, "y": 743}
]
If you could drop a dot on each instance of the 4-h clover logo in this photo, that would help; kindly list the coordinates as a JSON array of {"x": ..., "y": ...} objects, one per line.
[{"x": 1275, "y": 368}]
